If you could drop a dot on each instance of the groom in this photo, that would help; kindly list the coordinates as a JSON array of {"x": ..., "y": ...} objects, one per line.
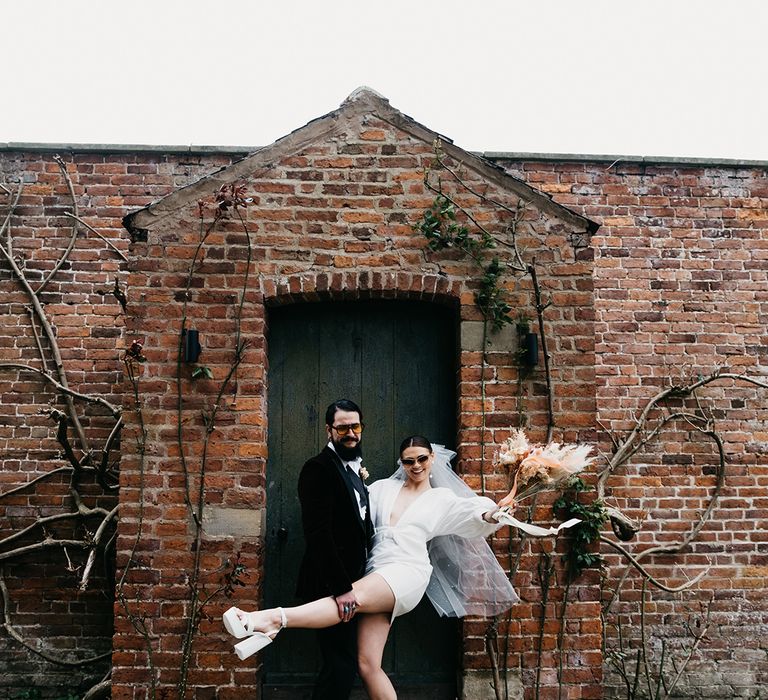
[{"x": 337, "y": 531}]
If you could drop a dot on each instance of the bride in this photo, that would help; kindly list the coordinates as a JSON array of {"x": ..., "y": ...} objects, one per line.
[{"x": 430, "y": 530}]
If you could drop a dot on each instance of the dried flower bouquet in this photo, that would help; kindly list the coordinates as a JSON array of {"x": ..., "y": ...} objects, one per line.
[{"x": 535, "y": 468}]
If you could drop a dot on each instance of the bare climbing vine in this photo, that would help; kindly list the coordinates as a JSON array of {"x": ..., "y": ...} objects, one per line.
[
  {"x": 229, "y": 201},
  {"x": 677, "y": 404},
  {"x": 81, "y": 532},
  {"x": 446, "y": 225},
  {"x": 90, "y": 531}
]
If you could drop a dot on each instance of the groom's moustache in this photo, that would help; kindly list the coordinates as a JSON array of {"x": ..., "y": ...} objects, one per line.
[{"x": 349, "y": 451}]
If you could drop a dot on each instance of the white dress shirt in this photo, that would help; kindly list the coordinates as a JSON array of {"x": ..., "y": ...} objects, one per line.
[{"x": 354, "y": 465}]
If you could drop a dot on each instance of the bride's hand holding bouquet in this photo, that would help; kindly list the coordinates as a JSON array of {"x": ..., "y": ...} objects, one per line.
[{"x": 534, "y": 468}]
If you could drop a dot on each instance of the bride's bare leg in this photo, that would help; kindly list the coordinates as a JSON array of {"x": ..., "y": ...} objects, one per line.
[
  {"x": 372, "y": 633},
  {"x": 372, "y": 593}
]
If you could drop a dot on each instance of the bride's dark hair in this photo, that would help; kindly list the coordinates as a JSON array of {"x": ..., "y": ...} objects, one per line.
[{"x": 415, "y": 441}]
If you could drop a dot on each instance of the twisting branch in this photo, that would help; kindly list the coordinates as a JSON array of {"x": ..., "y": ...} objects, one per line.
[
  {"x": 106, "y": 240},
  {"x": 100, "y": 690},
  {"x": 42, "y": 654},
  {"x": 51, "y": 336},
  {"x": 39, "y": 344},
  {"x": 52, "y": 371},
  {"x": 63, "y": 389},
  {"x": 7, "y": 223},
  {"x": 640, "y": 437},
  {"x": 628, "y": 445},
  {"x": 229, "y": 197},
  {"x": 73, "y": 237},
  {"x": 48, "y": 543},
  {"x": 655, "y": 417},
  {"x": 47, "y": 520},
  {"x": 691, "y": 535},
  {"x": 32, "y": 482},
  {"x": 540, "y": 308},
  {"x": 97, "y": 537},
  {"x": 647, "y": 576}
]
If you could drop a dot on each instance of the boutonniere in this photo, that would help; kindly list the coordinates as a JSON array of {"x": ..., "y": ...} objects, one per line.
[{"x": 364, "y": 473}]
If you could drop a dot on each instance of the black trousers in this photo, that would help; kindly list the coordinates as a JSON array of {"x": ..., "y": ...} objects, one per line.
[{"x": 338, "y": 646}]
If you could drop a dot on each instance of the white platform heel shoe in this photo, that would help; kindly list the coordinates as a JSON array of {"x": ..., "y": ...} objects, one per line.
[
  {"x": 254, "y": 641},
  {"x": 233, "y": 624}
]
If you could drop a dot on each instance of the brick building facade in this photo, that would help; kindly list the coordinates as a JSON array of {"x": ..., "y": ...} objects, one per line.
[{"x": 671, "y": 286}]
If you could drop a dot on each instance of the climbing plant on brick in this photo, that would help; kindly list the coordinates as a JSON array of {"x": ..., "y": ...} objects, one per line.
[{"x": 87, "y": 429}]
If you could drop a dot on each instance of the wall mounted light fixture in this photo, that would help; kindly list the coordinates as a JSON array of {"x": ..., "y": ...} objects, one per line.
[
  {"x": 528, "y": 346},
  {"x": 190, "y": 345},
  {"x": 530, "y": 349}
]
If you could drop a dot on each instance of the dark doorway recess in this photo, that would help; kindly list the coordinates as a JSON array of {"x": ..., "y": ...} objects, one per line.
[{"x": 397, "y": 360}]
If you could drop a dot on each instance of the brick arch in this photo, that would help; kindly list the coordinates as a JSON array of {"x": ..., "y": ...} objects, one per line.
[{"x": 359, "y": 285}]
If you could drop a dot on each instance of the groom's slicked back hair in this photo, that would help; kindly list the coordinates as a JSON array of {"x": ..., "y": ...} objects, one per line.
[
  {"x": 341, "y": 405},
  {"x": 415, "y": 441}
]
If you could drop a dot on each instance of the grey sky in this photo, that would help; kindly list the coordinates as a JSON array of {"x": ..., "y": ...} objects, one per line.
[{"x": 651, "y": 77}]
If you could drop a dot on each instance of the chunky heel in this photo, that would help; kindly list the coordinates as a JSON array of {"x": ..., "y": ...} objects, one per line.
[
  {"x": 248, "y": 647},
  {"x": 256, "y": 641}
]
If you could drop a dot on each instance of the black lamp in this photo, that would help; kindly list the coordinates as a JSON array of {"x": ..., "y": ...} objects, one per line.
[
  {"x": 528, "y": 347},
  {"x": 190, "y": 345}
]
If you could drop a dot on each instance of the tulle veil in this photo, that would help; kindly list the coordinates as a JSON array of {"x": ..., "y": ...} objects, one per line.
[{"x": 466, "y": 576}]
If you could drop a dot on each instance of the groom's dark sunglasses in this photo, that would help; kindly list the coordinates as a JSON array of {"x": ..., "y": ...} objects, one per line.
[
  {"x": 342, "y": 430},
  {"x": 410, "y": 461}
]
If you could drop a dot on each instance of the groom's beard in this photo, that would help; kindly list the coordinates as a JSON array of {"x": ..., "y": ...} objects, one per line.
[{"x": 349, "y": 451}]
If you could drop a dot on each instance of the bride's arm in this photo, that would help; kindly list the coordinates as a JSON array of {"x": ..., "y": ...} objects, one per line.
[{"x": 468, "y": 517}]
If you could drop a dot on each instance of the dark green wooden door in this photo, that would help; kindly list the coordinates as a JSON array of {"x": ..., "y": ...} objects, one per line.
[{"x": 397, "y": 361}]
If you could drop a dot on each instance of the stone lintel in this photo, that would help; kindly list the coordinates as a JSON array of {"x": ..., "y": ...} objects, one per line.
[
  {"x": 504, "y": 340},
  {"x": 233, "y": 522}
]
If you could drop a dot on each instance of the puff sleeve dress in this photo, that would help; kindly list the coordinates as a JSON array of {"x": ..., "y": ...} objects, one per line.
[{"x": 400, "y": 554}]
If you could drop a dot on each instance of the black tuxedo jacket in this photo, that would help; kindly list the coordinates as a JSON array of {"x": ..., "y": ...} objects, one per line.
[{"x": 337, "y": 539}]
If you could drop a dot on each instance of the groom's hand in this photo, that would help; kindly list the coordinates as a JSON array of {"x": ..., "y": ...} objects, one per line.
[{"x": 347, "y": 604}]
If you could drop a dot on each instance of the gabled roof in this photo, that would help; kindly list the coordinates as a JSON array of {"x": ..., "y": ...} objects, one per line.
[{"x": 363, "y": 101}]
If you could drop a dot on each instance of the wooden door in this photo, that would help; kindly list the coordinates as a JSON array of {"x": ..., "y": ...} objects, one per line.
[{"x": 397, "y": 361}]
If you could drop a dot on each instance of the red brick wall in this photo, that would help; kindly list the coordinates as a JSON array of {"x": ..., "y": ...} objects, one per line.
[
  {"x": 681, "y": 288},
  {"x": 44, "y": 603}
]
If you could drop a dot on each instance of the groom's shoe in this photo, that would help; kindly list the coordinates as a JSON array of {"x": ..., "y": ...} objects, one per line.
[{"x": 256, "y": 641}]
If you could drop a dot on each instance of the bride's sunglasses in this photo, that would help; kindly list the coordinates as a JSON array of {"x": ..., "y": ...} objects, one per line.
[{"x": 410, "y": 461}]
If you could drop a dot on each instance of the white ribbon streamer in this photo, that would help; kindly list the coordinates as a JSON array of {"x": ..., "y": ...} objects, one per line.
[{"x": 504, "y": 516}]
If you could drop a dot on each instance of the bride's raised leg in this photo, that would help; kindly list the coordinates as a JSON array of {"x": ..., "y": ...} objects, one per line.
[{"x": 372, "y": 593}]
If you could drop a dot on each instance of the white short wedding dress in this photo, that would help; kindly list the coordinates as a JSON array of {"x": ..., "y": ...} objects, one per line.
[{"x": 400, "y": 553}]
